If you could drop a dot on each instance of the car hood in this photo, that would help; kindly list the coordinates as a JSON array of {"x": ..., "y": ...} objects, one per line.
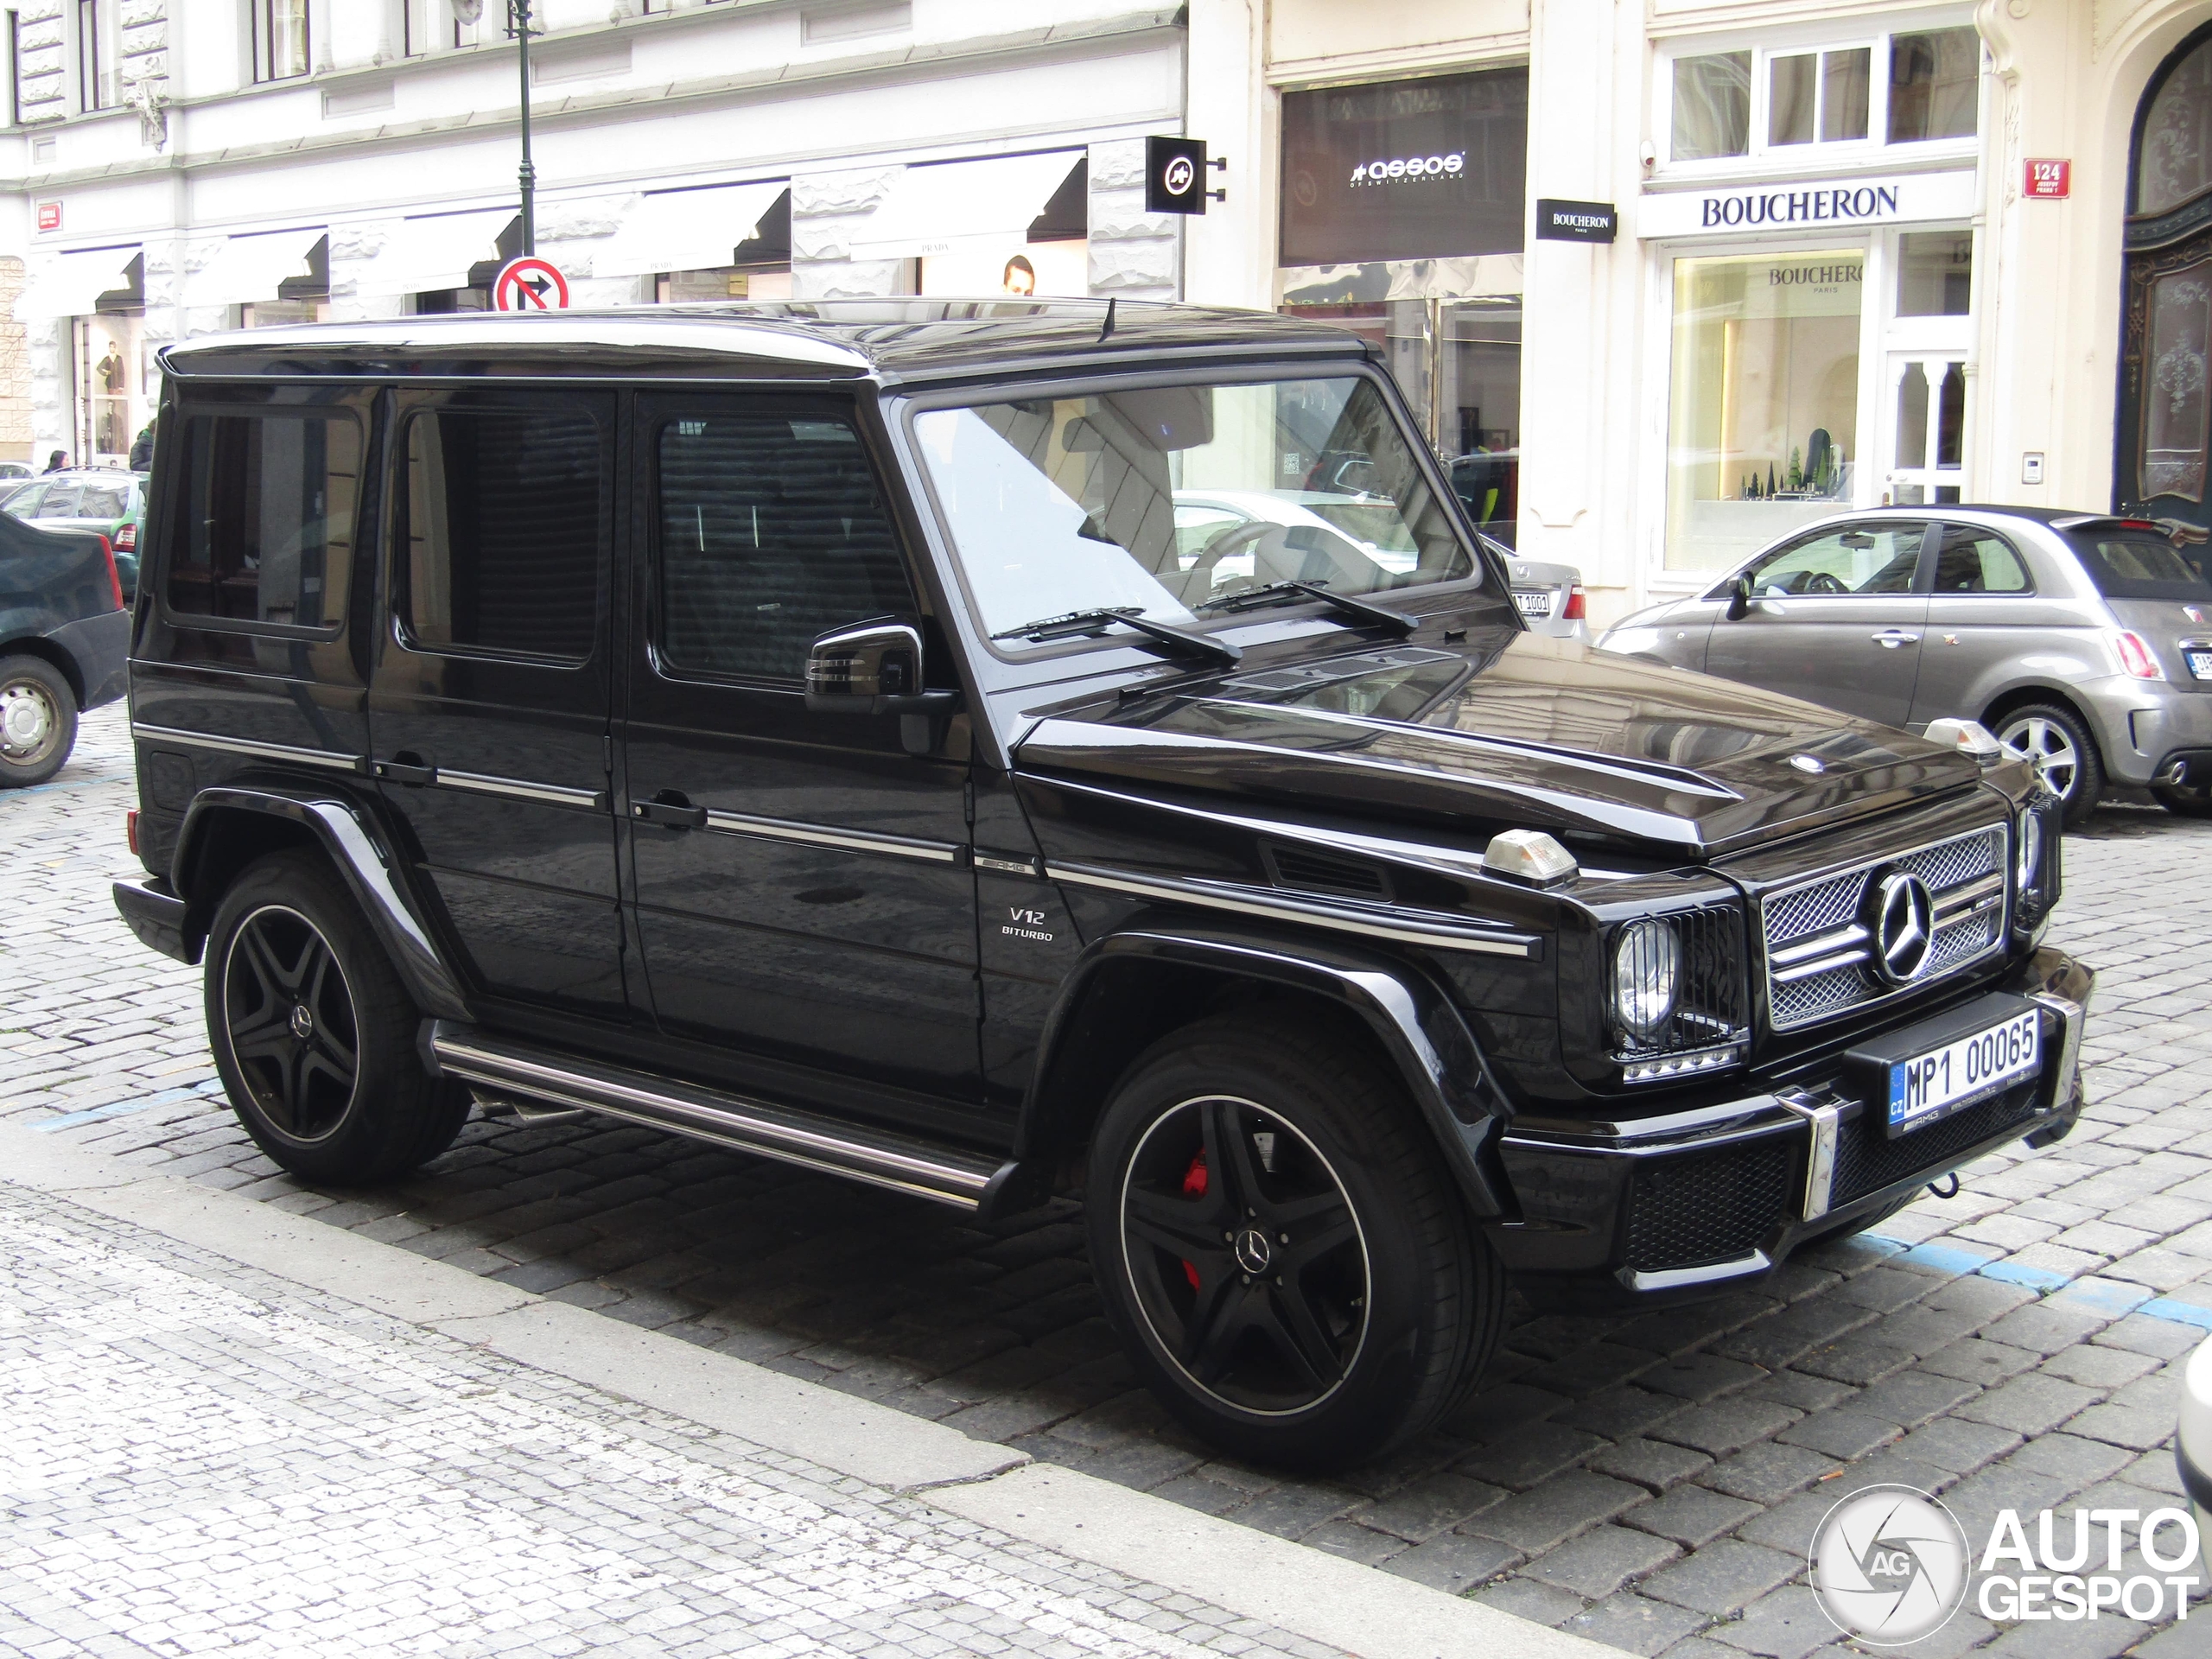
[{"x": 1522, "y": 731}]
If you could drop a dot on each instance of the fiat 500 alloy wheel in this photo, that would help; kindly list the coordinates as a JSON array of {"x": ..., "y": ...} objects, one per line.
[
  {"x": 1245, "y": 1256},
  {"x": 288, "y": 1014}
]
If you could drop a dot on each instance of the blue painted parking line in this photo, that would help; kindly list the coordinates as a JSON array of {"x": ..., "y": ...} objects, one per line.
[
  {"x": 125, "y": 1108},
  {"x": 2114, "y": 1297}
]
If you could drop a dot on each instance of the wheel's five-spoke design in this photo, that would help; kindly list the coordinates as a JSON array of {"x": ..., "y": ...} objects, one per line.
[
  {"x": 2044, "y": 742},
  {"x": 289, "y": 1015},
  {"x": 1245, "y": 1254}
]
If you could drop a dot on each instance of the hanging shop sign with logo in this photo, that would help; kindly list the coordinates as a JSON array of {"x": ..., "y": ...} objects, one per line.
[
  {"x": 1174, "y": 175},
  {"x": 1576, "y": 222},
  {"x": 1842, "y": 204}
]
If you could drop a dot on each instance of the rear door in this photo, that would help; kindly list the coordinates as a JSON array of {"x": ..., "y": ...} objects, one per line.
[
  {"x": 1836, "y": 618},
  {"x": 803, "y": 895},
  {"x": 490, "y": 699}
]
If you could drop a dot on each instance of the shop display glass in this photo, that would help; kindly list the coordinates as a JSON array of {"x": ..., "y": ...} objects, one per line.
[{"x": 1763, "y": 428}]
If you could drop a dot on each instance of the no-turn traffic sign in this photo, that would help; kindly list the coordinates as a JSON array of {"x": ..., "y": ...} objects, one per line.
[{"x": 530, "y": 284}]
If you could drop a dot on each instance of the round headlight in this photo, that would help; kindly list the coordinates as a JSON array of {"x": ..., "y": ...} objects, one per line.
[
  {"x": 1647, "y": 970},
  {"x": 2029, "y": 864}
]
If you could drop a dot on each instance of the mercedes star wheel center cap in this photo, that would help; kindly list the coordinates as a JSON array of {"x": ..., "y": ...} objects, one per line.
[
  {"x": 1904, "y": 925},
  {"x": 303, "y": 1022},
  {"x": 1254, "y": 1253}
]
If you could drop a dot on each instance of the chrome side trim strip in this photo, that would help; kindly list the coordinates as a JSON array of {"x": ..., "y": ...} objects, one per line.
[
  {"x": 890, "y": 1160},
  {"x": 1712, "y": 1272},
  {"x": 519, "y": 789},
  {"x": 248, "y": 745},
  {"x": 1442, "y": 935},
  {"x": 852, "y": 841},
  {"x": 1824, "y": 1118}
]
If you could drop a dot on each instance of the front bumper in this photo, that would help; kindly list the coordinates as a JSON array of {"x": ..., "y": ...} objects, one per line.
[{"x": 1674, "y": 1207}]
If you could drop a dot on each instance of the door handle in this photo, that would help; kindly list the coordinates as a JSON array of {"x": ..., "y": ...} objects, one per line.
[
  {"x": 1890, "y": 638},
  {"x": 671, "y": 810},
  {"x": 407, "y": 767}
]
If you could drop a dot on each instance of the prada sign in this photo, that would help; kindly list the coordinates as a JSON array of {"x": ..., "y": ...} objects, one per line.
[{"x": 1805, "y": 205}]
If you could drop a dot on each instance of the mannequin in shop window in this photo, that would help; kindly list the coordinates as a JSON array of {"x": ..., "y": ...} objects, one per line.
[{"x": 1021, "y": 277}]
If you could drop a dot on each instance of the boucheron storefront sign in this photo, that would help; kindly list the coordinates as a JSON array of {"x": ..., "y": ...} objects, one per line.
[{"x": 1805, "y": 205}]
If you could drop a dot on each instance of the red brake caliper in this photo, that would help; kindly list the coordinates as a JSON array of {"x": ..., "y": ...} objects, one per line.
[{"x": 1194, "y": 1187}]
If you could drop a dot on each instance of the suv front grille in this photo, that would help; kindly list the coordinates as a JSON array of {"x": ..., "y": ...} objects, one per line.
[{"x": 1819, "y": 952}]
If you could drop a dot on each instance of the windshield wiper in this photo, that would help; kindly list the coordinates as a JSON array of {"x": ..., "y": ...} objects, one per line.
[
  {"x": 1097, "y": 621},
  {"x": 1343, "y": 604}
]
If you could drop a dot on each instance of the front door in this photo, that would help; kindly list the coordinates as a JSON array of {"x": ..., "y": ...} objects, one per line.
[
  {"x": 1836, "y": 618},
  {"x": 489, "y": 702},
  {"x": 802, "y": 891}
]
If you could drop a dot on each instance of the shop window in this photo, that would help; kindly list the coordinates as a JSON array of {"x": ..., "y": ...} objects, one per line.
[
  {"x": 1712, "y": 106},
  {"x": 268, "y": 535},
  {"x": 1763, "y": 418},
  {"x": 722, "y": 283},
  {"x": 1934, "y": 273},
  {"x": 280, "y": 38},
  {"x": 502, "y": 530},
  {"x": 1934, "y": 85}
]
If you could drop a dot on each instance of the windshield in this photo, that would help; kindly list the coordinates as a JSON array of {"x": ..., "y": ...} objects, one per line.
[
  {"x": 1159, "y": 499},
  {"x": 2139, "y": 565}
]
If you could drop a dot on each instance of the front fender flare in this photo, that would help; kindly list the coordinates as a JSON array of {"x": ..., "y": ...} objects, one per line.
[
  {"x": 361, "y": 856},
  {"x": 1409, "y": 1015}
]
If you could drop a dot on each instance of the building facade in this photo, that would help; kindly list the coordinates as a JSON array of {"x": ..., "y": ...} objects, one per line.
[
  {"x": 176, "y": 166},
  {"x": 1860, "y": 253}
]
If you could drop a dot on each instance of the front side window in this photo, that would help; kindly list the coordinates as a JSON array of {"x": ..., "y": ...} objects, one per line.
[
  {"x": 1167, "y": 500},
  {"x": 1857, "y": 560},
  {"x": 280, "y": 38},
  {"x": 501, "y": 522},
  {"x": 269, "y": 513},
  {"x": 772, "y": 532}
]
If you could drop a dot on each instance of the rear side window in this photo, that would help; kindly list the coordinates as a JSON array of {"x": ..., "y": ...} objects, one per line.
[
  {"x": 269, "y": 504},
  {"x": 772, "y": 533},
  {"x": 500, "y": 518},
  {"x": 1975, "y": 562},
  {"x": 2135, "y": 564}
]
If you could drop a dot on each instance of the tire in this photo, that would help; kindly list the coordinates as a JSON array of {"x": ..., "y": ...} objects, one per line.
[
  {"x": 2183, "y": 801},
  {"x": 1385, "y": 1301},
  {"x": 314, "y": 1035},
  {"x": 2071, "y": 764},
  {"x": 38, "y": 721}
]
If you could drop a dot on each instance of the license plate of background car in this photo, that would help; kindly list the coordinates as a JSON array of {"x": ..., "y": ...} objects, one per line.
[
  {"x": 2199, "y": 663},
  {"x": 1929, "y": 1087},
  {"x": 1540, "y": 604}
]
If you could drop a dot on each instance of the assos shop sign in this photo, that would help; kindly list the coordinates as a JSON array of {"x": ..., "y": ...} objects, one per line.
[
  {"x": 1806, "y": 205},
  {"x": 1410, "y": 168}
]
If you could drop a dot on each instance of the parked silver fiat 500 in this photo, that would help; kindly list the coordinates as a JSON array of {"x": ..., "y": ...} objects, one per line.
[{"x": 2081, "y": 639}]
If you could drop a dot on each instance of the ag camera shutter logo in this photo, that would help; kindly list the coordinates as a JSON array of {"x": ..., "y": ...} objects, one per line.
[
  {"x": 1409, "y": 167},
  {"x": 1890, "y": 1565}
]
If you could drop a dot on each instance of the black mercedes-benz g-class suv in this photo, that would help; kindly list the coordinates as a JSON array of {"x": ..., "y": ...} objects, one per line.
[{"x": 974, "y": 749}]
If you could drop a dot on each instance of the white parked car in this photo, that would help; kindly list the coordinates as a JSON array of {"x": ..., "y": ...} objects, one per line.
[{"x": 2193, "y": 1443}]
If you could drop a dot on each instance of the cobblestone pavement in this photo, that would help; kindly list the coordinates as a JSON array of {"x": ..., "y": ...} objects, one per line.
[
  {"x": 1651, "y": 1482},
  {"x": 223, "y": 1460}
]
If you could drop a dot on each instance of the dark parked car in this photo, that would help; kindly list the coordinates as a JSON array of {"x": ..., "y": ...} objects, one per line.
[
  {"x": 798, "y": 727},
  {"x": 64, "y": 644}
]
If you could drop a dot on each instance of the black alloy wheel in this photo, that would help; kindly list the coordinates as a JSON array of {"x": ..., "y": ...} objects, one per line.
[
  {"x": 314, "y": 1032},
  {"x": 1277, "y": 1243},
  {"x": 289, "y": 1015},
  {"x": 1247, "y": 1261}
]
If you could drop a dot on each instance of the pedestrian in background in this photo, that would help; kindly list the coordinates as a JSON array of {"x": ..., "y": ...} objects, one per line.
[{"x": 56, "y": 461}]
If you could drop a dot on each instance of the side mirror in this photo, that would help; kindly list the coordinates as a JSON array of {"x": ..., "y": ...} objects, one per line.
[
  {"x": 1739, "y": 598},
  {"x": 875, "y": 668}
]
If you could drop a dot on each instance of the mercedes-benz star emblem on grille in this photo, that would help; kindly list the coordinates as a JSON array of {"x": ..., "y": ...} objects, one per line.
[
  {"x": 1901, "y": 918},
  {"x": 1808, "y": 763}
]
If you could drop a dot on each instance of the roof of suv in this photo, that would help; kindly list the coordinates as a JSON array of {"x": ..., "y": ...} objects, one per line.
[{"x": 891, "y": 339}]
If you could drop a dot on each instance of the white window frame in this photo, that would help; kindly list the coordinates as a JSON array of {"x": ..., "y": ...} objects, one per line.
[
  {"x": 261, "y": 47},
  {"x": 1817, "y": 155}
]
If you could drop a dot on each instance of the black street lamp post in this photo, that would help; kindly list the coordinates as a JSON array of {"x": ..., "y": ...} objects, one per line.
[{"x": 519, "y": 10}]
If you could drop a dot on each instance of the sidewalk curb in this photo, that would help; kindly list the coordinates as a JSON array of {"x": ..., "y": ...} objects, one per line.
[{"x": 1303, "y": 1591}]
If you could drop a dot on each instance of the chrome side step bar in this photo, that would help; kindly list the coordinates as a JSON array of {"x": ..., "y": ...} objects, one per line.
[{"x": 982, "y": 1185}]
